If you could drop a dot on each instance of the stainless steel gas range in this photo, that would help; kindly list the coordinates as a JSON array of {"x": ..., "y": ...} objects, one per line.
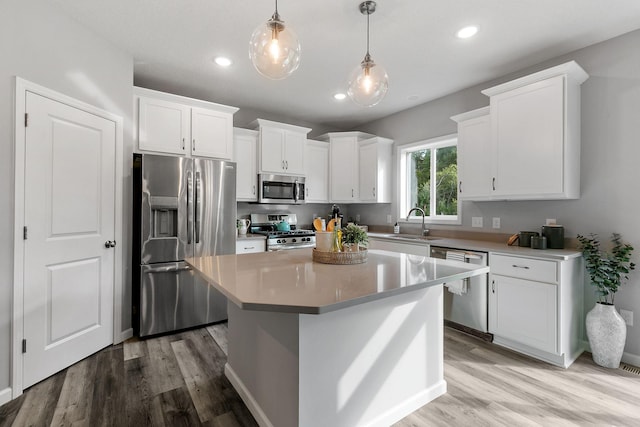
[{"x": 281, "y": 231}]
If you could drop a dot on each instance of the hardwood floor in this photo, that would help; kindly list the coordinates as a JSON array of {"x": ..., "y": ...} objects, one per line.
[{"x": 178, "y": 380}]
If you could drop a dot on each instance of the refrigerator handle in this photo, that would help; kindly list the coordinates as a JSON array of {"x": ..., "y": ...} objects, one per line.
[
  {"x": 189, "y": 207},
  {"x": 197, "y": 207}
]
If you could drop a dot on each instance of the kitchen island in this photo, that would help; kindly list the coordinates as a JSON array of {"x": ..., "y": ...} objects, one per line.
[{"x": 334, "y": 345}]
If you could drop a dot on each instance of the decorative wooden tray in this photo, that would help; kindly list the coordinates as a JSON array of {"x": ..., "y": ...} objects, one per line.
[{"x": 341, "y": 258}]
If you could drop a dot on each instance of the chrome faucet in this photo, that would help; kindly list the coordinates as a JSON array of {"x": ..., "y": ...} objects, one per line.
[{"x": 424, "y": 230}]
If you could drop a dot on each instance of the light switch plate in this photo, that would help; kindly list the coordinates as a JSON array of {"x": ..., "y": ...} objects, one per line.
[
  {"x": 358, "y": 218},
  {"x": 496, "y": 222},
  {"x": 550, "y": 221},
  {"x": 476, "y": 221},
  {"x": 388, "y": 219}
]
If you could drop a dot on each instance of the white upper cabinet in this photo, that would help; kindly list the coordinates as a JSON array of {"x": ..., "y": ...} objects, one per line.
[
  {"x": 281, "y": 147},
  {"x": 175, "y": 124},
  {"x": 244, "y": 154},
  {"x": 535, "y": 135},
  {"x": 475, "y": 157},
  {"x": 317, "y": 182},
  {"x": 375, "y": 170}
]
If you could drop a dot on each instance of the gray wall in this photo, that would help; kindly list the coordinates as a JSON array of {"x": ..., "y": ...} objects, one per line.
[
  {"x": 610, "y": 176},
  {"x": 45, "y": 47}
]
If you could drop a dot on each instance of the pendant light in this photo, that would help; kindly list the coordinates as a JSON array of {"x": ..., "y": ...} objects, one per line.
[
  {"x": 274, "y": 49},
  {"x": 369, "y": 82}
]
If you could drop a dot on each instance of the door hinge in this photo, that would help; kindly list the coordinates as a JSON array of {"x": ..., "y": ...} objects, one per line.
[
  {"x": 24, "y": 232},
  {"x": 26, "y": 119},
  {"x": 24, "y": 346}
]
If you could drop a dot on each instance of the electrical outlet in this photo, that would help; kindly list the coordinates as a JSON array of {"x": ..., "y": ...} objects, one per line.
[
  {"x": 627, "y": 315},
  {"x": 496, "y": 222},
  {"x": 358, "y": 218},
  {"x": 476, "y": 221},
  {"x": 315, "y": 215},
  {"x": 551, "y": 221},
  {"x": 388, "y": 219}
]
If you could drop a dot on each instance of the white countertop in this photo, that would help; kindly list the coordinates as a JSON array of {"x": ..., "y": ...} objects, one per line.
[
  {"x": 289, "y": 281},
  {"x": 485, "y": 246},
  {"x": 249, "y": 236}
]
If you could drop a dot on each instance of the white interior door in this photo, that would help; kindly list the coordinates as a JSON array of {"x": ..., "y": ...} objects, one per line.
[{"x": 69, "y": 214}]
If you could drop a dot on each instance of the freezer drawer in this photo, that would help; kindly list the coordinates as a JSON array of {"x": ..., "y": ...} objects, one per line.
[{"x": 173, "y": 297}]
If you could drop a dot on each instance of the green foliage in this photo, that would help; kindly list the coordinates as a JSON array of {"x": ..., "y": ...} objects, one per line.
[
  {"x": 354, "y": 234},
  {"x": 446, "y": 180},
  {"x": 607, "y": 270}
]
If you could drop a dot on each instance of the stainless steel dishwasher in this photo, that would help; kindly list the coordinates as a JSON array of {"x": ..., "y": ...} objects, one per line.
[{"x": 465, "y": 303}]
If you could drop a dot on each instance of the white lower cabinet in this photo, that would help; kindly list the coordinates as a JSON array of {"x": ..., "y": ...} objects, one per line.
[
  {"x": 524, "y": 311},
  {"x": 535, "y": 306},
  {"x": 247, "y": 246}
]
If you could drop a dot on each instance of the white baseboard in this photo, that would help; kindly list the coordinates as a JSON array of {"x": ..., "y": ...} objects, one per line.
[
  {"x": 5, "y": 395},
  {"x": 124, "y": 335},
  {"x": 629, "y": 358},
  {"x": 247, "y": 397}
]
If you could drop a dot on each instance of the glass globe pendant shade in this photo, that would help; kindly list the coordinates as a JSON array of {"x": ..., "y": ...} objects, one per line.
[
  {"x": 368, "y": 83},
  {"x": 274, "y": 49}
]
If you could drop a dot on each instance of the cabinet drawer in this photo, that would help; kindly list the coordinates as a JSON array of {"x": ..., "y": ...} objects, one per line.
[
  {"x": 250, "y": 246},
  {"x": 524, "y": 268}
]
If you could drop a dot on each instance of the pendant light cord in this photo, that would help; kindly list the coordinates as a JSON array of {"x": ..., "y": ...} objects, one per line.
[{"x": 368, "y": 14}]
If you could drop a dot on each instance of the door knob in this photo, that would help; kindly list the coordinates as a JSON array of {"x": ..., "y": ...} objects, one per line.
[{"x": 110, "y": 244}]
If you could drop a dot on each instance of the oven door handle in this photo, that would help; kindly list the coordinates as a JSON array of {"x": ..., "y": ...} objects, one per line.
[{"x": 296, "y": 190}]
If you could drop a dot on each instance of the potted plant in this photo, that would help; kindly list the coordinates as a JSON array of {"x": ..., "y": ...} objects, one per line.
[
  {"x": 353, "y": 238},
  {"x": 606, "y": 329}
]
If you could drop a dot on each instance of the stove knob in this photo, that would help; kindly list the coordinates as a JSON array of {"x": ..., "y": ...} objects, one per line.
[
  {"x": 306, "y": 239},
  {"x": 278, "y": 241},
  {"x": 293, "y": 240}
]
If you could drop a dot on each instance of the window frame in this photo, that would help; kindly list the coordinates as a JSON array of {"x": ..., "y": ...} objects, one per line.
[{"x": 403, "y": 179}]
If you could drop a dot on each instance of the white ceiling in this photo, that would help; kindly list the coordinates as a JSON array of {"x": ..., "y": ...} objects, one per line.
[{"x": 173, "y": 43}]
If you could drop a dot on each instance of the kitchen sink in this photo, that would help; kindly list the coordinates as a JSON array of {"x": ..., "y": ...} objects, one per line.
[{"x": 409, "y": 237}]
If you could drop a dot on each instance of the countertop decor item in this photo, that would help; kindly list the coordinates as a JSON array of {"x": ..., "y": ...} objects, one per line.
[
  {"x": 606, "y": 330},
  {"x": 354, "y": 238},
  {"x": 340, "y": 258}
]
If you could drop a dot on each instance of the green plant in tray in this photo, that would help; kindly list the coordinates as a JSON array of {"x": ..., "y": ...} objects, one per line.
[{"x": 352, "y": 234}]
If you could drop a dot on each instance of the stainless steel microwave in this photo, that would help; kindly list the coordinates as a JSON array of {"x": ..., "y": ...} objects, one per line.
[{"x": 281, "y": 189}]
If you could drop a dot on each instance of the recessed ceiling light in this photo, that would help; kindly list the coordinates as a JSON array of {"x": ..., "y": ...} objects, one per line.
[
  {"x": 222, "y": 61},
  {"x": 467, "y": 32},
  {"x": 339, "y": 96}
]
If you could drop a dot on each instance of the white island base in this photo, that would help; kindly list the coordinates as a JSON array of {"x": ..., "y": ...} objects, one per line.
[{"x": 370, "y": 364}]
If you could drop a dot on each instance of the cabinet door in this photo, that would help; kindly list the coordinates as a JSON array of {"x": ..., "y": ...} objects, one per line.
[
  {"x": 528, "y": 133},
  {"x": 368, "y": 159},
  {"x": 344, "y": 170},
  {"x": 163, "y": 126},
  {"x": 211, "y": 133},
  {"x": 475, "y": 159},
  {"x": 246, "y": 170},
  {"x": 294, "y": 144},
  {"x": 317, "y": 182},
  {"x": 524, "y": 311},
  {"x": 271, "y": 150}
]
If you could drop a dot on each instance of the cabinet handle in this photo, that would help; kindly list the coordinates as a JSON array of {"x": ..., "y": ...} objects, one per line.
[
  {"x": 183, "y": 143},
  {"x": 460, "y": 187},
  {"x": 283, "y": 164},
  {"x": 307, "y": 192},
  {"x": 520, "y": 266},
  {"x": 493, "y": 183},
  {"x": 249, "y": 247},
  {"x": 254, "y": 189},
  {"x": 493, "y": 286},
  {"x": 352, "y": 192},
  {"x": 286, "y": 163},
  {"x": 374, "y": 191},
  {"x": 193, "y": 146}
]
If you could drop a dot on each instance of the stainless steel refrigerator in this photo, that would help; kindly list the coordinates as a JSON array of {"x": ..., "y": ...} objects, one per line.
[{"x": 182, "y": 208}]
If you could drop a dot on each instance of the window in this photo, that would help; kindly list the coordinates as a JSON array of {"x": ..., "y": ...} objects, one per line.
[{"x": 429, "y": 179}]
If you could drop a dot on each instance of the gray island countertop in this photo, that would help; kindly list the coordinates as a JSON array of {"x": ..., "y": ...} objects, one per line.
[{"x": 289, "y": 281}]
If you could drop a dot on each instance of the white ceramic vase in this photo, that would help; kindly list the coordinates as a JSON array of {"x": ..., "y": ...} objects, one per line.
[{"x": 607, "y": 333}]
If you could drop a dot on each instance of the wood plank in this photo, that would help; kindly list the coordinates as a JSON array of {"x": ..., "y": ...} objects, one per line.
[
  {"x": 219, "y": 334},
  {"x": 109, "y": 389},
  {"x": 75, "y": 401},
  {"x": 40, "y": 401},
  {"x": 177, "y": 408}
]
